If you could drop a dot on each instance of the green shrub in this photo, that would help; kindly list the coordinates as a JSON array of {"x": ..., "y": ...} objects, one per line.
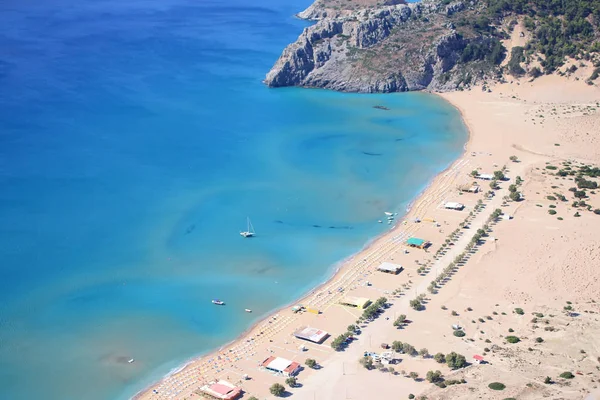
[
  {"x": 277, "y": 389},
  {"x": 567, "y": 375},
  {"x": 497, "y": 386},
  {"x": 291, "y": 381},
  {"x": 397, "y": 346},
  {"x": 434, "y": 376},
  {"x": 519, "y": 311},
  {"x": 552, "y": 212},
  {"x": 459, "y": 333},
  {"x": 367, "y": 362},
  {"x": 455, "y": 361},
  {"x": 416, "y": 304},
  {"x": 512, "y": 339},
  {"x": 514, "y": 67}
]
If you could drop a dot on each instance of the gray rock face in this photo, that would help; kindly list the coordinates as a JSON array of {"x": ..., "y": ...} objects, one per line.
[
  {"x": 455, "y": 7},
  {"x": 322, "y": 56},
  {"x": 314, "y": 13}
]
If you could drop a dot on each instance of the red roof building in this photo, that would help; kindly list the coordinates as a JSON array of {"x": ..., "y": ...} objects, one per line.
[
  {"x": 311, "y": 334},
  {"x": 477, "y": 359},
  {"x": 281, "y": 366},
  {"x": 221, "y": 390}
]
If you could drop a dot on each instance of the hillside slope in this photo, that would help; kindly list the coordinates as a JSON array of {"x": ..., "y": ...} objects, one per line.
[{"x": 433, "y": 44}]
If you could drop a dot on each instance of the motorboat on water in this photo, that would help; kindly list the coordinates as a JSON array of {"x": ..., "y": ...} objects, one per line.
[
  {"x": 249, "y": 232},
  {"x": 218, "y": 302},
  {"x": 389, "y": 214},
  {"x": 248, "y": 310}
]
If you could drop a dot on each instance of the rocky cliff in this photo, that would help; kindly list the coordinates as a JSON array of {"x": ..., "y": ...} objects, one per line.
[{"x": 379, "y": 49}]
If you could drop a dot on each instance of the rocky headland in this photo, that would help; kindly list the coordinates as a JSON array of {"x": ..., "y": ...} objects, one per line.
[
  {"x": 385, "y": 49},
  {"x": 435, "y": 45}
]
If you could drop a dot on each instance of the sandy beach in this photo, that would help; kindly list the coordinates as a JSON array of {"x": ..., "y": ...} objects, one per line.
[{"x": 540, "y": 258}]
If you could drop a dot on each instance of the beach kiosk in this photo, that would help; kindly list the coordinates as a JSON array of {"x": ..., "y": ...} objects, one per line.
[
  {"x": 356, "y": 302},
  {"x": 297, "y": 308},
  {"x": 221, "y": 390},
  {"x": 469, "y": 188},
  {"x": 416, "y": 242},
  {"x": 452, "y": 205},
  {"x": 390, "y": 268},
  {"x": 313, "y": 310},
  {"x": 281, "y": 366},
  {"x": 311, "y": 334}
]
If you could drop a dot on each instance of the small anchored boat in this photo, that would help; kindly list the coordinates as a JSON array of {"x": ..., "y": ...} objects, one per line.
[
  {"x": 218, "y": 302},
  {"x": 389, "y": 214},
  {"x": 249, "y": 230},
  {"x": 248, "y": 310}
]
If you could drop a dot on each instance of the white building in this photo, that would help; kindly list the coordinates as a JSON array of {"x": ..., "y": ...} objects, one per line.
[
  {"x": 311, "y": 334},
  {"x": 281, "y": 366},
  {"x": 389, "y": 268},
  {"x": 451, "y": 205}
]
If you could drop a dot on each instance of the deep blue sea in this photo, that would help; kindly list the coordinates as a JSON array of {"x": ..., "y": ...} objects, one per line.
[{"x": 135, "y": 138}]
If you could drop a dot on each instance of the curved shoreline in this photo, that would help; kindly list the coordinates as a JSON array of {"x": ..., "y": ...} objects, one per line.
[{"x": 340, "y": 268}]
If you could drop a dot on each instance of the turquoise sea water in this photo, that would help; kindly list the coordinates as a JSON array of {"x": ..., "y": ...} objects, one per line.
[{"x": 135, "y": 139}]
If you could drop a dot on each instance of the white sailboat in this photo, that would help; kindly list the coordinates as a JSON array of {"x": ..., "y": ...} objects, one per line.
[{"x": 249, "y": 231}]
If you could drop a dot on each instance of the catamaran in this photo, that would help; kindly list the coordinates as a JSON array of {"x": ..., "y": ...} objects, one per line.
[{"x": 249, "y": 231}]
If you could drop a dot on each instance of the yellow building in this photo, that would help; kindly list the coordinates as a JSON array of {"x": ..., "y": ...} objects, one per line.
[{"x": 357, "y": 302}]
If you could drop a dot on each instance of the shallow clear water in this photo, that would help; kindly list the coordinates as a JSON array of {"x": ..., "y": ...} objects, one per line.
[{"x": 136, "y": 137}]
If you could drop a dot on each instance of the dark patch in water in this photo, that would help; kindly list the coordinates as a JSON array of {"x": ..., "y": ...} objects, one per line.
[
  {"x": 262, "y": 270},
  {"x": 313, "y": 225},
  {"x": 190, "y": 229},
  {"x": 371, "y": 154},
  {"x": 399, "y": 140}
]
